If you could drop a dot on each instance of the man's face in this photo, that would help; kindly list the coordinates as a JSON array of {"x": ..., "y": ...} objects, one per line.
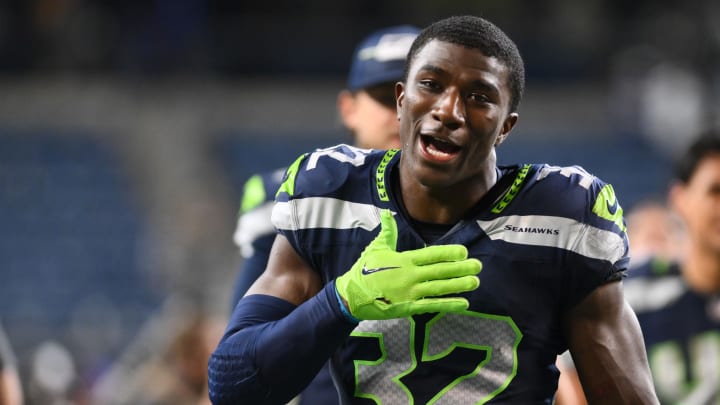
[
  {"x": 371, "y": 116},
  {"x": 654, "y": 231},
  {"x": 454, "y": 108},
  {"x": 698, "y": 203}
]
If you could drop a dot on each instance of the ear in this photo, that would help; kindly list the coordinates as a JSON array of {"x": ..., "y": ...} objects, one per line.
[
  {"x": 346, "y": 108},
  {"x": 676, "y": 198},
  {"x": 507, "y": 126},
  {"x": 399, "y": 97}
]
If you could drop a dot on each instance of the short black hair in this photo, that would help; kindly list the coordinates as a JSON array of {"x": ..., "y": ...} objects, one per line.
[
  {"x": 707, "y": 143},
  {"x": 476, "y": 33}
]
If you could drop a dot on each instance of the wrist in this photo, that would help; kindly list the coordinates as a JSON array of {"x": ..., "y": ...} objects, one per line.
[{"x": 344, "y": 307}]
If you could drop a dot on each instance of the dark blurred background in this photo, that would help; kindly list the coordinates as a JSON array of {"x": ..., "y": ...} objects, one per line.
[{"x": 128, "y": 127}]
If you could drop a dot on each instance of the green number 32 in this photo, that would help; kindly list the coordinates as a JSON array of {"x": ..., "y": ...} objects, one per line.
[{"x": 498, "y": 336}]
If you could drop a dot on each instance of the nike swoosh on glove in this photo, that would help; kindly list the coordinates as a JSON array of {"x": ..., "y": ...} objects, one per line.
[{"x": 386, "y": 284}]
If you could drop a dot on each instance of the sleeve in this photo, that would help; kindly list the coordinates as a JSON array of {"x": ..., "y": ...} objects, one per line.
[
  {"x": 603, "y": 243},
  {"x": 595, "y": 250},
  {"x": 272, "y": 349}
]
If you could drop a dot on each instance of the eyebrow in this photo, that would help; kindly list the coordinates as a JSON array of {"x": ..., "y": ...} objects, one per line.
[
  {"x": 485, "y": 85},
  {"x": 479, "y": 83},
  {"x": 432, "y": 68}
]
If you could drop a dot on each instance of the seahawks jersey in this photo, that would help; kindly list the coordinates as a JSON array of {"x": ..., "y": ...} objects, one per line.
[
  {"x": 546, "y": 236},
  {"x": 681, "y": 330}
]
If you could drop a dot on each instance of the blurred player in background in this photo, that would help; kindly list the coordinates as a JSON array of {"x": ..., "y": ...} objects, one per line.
[
  {"x": 367, "y": 109},
  {"x": 674, "y": 286},
  {"x": 655, "y": 232},
  {"x": 10, "y": 388},
  {"x": 678, "y": 302}
]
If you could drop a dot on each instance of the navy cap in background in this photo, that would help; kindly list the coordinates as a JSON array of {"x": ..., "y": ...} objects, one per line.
[{"x": 380, "y": 57}]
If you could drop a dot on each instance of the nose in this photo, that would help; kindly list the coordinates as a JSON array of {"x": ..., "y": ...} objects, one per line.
[{"x": 449, "y": 109}]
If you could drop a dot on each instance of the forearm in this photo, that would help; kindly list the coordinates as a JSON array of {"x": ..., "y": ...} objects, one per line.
[
  {"x": 272, "y": 349},
  {"x": 610, "y": 356},
  {"x": 614, "y": 387}
]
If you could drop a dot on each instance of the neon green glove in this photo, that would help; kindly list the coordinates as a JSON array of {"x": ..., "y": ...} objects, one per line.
[{"x": 385, "y": 284}]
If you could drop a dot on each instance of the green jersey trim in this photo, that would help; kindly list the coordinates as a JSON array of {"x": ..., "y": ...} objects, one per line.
[
  {"x": 253, "y": 194},
  {"x": 513, "y": 191},
  {"x": 380, "y": 181},
  {"x": 288, "y": 186}
]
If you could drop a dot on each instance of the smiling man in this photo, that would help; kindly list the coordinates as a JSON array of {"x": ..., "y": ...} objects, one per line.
[{"x": 377, "y": 263}]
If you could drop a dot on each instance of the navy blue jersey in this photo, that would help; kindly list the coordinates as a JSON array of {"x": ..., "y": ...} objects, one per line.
[
  {"x": 681, "y": 330},
  {"x": 546, "y": 236}
]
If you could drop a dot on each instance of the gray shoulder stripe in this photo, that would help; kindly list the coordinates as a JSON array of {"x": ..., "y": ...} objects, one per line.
[
  {"x": 558, "y": 232},
  {"x": 323, "y": 212}
]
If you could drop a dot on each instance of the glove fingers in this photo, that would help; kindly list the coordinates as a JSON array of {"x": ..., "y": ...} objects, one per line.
[
  {"x": 437, "y": 253},
  {"x": 439, "y": 305},
  {"x": 447, "y": 270},
  {"x": 451, "y": 286}
]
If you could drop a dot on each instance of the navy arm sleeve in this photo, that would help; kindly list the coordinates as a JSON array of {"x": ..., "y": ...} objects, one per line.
[{"x": 272, "y": 349}]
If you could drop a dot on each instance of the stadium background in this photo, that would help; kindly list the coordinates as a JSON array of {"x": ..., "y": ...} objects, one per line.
[{"x": 128, "y": 127}]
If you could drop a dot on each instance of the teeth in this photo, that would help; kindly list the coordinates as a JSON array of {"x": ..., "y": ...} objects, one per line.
[{"x": 435, "y": 152}]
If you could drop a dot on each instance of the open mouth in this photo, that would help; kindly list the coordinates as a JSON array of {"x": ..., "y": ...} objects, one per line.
[{"x": 438, "y": 149}]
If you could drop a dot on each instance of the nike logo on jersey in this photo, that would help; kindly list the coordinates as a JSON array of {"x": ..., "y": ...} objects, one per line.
[
  {"x": 612, "y": 208},
  {"x": 607, "y": 207},
  {"x": 367, "y": 271}
]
